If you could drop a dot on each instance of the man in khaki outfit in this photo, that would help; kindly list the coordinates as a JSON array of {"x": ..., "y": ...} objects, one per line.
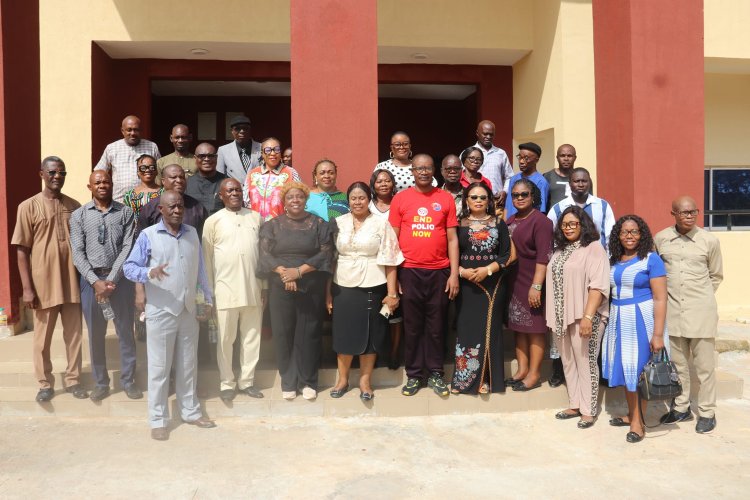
[
  {"x": 692, "y": 257},
  {"x": 49, "y": 278}
]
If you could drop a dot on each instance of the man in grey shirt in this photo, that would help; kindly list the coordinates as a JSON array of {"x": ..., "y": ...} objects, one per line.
[{"x": 101, "y": 236}]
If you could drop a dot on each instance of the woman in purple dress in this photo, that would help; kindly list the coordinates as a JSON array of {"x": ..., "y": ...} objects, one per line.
[{"x": 531, "y": 232}]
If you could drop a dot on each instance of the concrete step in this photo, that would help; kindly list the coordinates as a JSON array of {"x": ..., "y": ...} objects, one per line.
[{"x": 19, "y": 401}]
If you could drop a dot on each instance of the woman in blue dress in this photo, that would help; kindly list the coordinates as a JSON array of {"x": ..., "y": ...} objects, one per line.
[{"x": 636, "y": 316}]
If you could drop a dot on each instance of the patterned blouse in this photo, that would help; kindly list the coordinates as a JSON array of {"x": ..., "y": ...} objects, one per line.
[{"x": 137, "y": 200}]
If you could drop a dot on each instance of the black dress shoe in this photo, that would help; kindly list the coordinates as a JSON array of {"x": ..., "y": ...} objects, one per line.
[
  {"x": 99, "y": 393},
  {"x": 558, "y": 377},
  {"x": 160, "y": 433},
  {"x": 78, "y": 391},
  {"x": 633, "y": 437},
  {"x": 705, "y": 425},
  {"x": 133, "y": 392},
  {"x": 252, "y": 392},
  {"x": 337, "y": 393},
  {"x": 44, "y": 395},
  {"x": 564, "y": 415},
  {"x": 674, "y": 416},
  {"x": 585, "y": 424},
  {"x": 227, "y": 395}
]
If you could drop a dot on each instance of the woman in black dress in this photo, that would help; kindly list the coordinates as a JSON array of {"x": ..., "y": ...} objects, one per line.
[
  {"x": 296, "y": 250},
  {"x": 485, "y": 250}
]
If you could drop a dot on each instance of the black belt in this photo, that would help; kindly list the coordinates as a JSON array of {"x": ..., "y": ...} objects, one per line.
[{"x": 102, "y": 270}]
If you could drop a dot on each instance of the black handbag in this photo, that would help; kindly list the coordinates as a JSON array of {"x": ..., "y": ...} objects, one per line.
[{"x": 659, "y": 379}]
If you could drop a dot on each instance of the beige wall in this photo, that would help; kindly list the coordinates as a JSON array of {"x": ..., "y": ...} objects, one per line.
[
  {"x": 727, "y": 98},
  {"x": 554, "y": 85},
  {"x": 725, "y": 28},
  {"x": 732, "y": 294}
]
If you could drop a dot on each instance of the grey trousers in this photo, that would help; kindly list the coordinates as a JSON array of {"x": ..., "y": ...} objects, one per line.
[{"x": 172, "y": 338}]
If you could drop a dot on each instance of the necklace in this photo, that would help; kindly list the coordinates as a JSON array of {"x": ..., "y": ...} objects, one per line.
[
  {"x": 525, "y": 216},
  {"x": 482, "y": 219}
]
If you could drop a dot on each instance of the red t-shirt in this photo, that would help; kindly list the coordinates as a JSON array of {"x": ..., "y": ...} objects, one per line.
[{"x": 423, "y": 219}]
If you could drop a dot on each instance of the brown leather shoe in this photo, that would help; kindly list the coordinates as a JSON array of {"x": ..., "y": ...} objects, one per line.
[
  {"x": 203, "y": 423},
  {"x": 160, "y": 433}
]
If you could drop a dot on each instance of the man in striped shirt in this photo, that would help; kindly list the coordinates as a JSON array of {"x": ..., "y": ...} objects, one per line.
[{"x": 119, "y": 157}]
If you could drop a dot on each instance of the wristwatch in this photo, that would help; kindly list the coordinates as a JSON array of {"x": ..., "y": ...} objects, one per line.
[
  {"x": 489, "y": 271},
  {"x": 536, "y": 287}
]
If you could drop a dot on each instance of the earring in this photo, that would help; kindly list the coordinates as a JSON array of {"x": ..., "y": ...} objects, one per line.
[
  {"x": 410, "y": 154},
  {"x": 391, "y": 155}
]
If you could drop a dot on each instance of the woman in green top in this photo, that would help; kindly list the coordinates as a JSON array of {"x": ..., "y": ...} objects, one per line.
[{"x": 326, "y": 201}]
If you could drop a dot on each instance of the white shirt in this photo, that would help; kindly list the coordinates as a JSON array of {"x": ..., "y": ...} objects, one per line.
[
  {"x": 496, "y": 167},
  {"x": 598, "y": 209}
]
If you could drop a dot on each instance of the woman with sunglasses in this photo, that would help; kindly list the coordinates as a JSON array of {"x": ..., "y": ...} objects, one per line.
[
  {"x": 637, "y": 315},
  {"x": 399, "y": 163},
  {"x": 147, "y": 190},
  {"x": 263, "y": 185},
  {"x": 531, "y": 232},
  {"x": 326, "y": 201},
  {"x": 472, "y": 159},
  {"x": 484, "y": 251},
  {"x": 577, "y": 309}
]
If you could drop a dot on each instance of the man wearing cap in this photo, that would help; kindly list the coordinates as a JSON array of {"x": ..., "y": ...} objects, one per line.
[
  {"x": 528, "y": 156},
  {"x": 119, "y": 157},
  {"x": 180, "y": 139},
  {"x": 239, "y": 156},
  {"x": 496, "y": 166}
]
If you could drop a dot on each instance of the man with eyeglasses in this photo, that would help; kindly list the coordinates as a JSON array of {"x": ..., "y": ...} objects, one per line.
[
  {"x": 49, "y": 277},
  {"x": 528, "y": 156},
  {"x": 692, "y": 257},
  {"x": 204, "y": 186},
  {"x": 424, "y": 219},
  {"x": 496, "y": 166},
  {"x": 242, "y": 154},
  {"x": 451, "y": 169},
  {"x": 119, "y": 157},
  {"x": 101, "y": 236},
  {"x": 180, "y": 139}
]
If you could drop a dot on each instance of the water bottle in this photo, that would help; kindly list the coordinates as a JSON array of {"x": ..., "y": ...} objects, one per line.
[
  {"x": 5, "y": 330},
  {"x": 213, "y": 332},
  {"x": 107, "y": 311}
]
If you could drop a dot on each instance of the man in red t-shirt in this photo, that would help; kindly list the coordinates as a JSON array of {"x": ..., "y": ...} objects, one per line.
[{"x": 424, "y": 218}]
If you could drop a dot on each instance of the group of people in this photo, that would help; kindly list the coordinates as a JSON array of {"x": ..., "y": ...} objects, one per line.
[{"x": 188, "y": 246}]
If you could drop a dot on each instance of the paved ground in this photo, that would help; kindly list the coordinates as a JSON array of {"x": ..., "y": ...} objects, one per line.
[{"x": 517, "y": 455}]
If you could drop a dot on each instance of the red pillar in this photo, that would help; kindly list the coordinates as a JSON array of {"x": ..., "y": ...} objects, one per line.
[
  {"x": 334, "y": 74},
  {"x": 19, "y": 131},
  {"x": 648, "y": 62}
]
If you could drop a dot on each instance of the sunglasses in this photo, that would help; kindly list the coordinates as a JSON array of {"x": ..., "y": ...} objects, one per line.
[
  {"x": 475, "y": 197},
  {"x": 147, "y": 168},
  {"x": 269, "y": 150},
  {"x": 206, "y": 156},
  {"x": 520, "y": 195},
  {"x": 61, "y": 173}
]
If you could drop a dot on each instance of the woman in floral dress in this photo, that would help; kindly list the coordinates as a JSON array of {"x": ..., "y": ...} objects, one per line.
[{"x": 485, "y": 248}]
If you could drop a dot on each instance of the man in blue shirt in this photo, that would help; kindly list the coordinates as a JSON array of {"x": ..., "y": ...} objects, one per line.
[
  {"x": 528, "y": 156},
  {"x": 167, "y": 258}
]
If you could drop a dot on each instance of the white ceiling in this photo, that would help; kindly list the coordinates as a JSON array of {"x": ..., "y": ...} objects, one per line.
[{"x": 266, "y": 89}]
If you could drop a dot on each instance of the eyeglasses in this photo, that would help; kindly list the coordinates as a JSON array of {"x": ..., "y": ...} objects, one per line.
[
  {"x": 400, "y": 145},
  {"x": 452, "y": 169},
  {"x": 570, "y": 225},
  {"x": 147, "y": 168},
  {"x": 526, "y": 158},
  {"x": 474, "y": 159},
  {"x": 687, "y": 213},
  {"x": 61, "y": 173},
  {"x": 102, "y": 233},
  {"x": 421, "y": 169},
  {"x": 206, "y": 156},
  {"x": 632, "y": 232},
  {"x": 482, "y": 197},
  {"x": 520, "y": 195},
  {"x": 269, "y": 150}
]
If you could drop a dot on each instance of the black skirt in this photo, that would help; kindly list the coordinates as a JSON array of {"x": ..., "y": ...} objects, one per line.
[{"x": 358, "y": 326}]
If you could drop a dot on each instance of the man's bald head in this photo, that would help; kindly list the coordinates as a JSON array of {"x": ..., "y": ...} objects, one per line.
[
  {"x": 173, "y": 177},
  {"x": 95, "y": 174},
  {"x": 451, "y": 168},
  {"x": 683, "y": 203},
  {"x": 100, "y": 185},
  {"x": 181, "y": 139},
  {"x": 485, "y": 133},
  {"x": 131, "y": 130},
  {"x": 685, "y": 213}
]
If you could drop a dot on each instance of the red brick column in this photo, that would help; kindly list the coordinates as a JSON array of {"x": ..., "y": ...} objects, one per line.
[
  {"x": 334, "y": 74},
  {"x": 19, "y": 131},
  {"x": 649, "y": 104}
]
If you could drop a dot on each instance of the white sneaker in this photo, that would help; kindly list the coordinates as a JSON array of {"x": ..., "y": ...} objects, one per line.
[
  {"x": 289, "y": 395},
  {"x": 309, "y": 393}
]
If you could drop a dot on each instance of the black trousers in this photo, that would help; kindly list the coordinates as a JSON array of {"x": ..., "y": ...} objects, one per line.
[{"x": 296, "y": 322}]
